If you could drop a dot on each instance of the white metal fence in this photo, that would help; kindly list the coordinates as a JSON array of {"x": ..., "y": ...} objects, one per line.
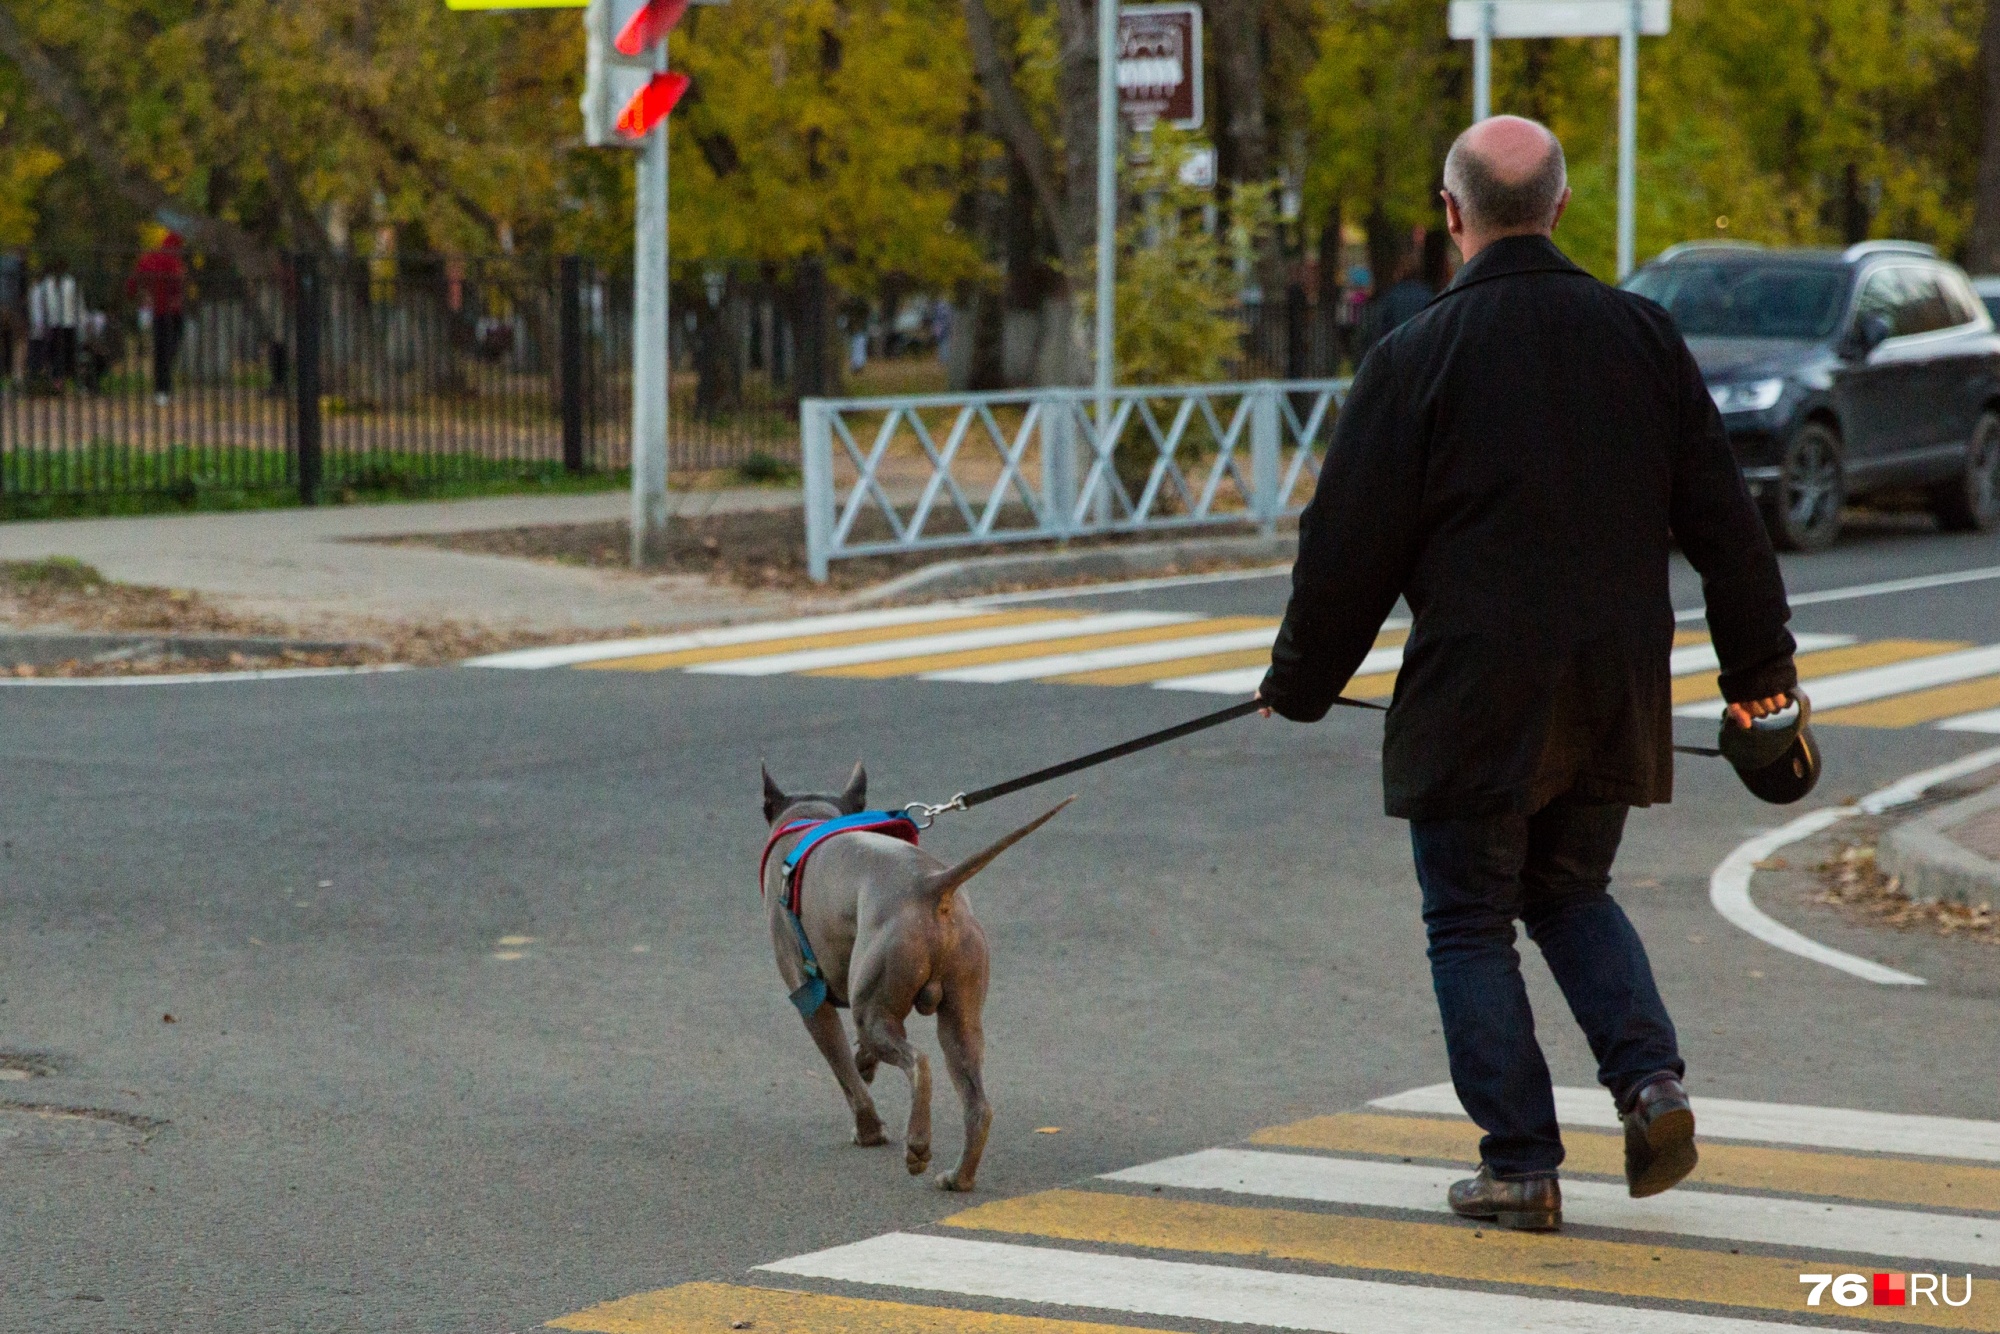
[{"x": 890, "y": 475}]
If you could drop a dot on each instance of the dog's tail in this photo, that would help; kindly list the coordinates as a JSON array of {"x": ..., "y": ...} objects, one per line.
[{"x": 940, "y": 884}]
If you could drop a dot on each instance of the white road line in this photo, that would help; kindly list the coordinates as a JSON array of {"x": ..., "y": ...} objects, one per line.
[
  {"x": 1764, "y": 1122},
  {"x": 1236, "y": 681},
  {"x": 1092, "y": 660},
  {"x": 1729, "y": 887},
  {"x": 1226, "y": 1294},
  {"x": 807, "y": 660},
  {"x": 1243, "y": 680},
  {"x": 1729, "y": 893},
  {"x": 1701, "y": 657},
  {"x": 568, "y": 655},
  {"x": 1876, "y": 590},
  {"x": 1833, "y": 692},
  {"x": 1132, "y": 586},
  {"x": 1859, "y": 1229},
  {"x": 202, "y": 678},
  {"x": 1989, "y": 721}
]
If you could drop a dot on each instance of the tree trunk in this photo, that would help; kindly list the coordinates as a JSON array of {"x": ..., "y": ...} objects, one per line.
[{"x": 1983, "y": 250}]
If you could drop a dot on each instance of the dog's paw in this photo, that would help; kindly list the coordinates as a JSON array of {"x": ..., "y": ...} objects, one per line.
[
  {"x": 917, "y": 1158},
  {"x": 870, "y": 1137},
  {"x": 949, "y": 1181}
]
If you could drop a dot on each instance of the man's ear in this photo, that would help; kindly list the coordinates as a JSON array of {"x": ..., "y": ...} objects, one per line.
[
  {"x": 1561, "y": 206},
  {"x": 855, "y": 798},
  {"x": 774, "y": 798}
]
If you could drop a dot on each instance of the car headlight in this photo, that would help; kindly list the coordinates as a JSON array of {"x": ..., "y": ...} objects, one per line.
[{"x": 1755, "y": 396}]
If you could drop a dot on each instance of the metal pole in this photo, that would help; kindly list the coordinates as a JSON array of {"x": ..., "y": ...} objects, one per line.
[
  {"x": 650, "y": 371},
  {"x": 1628, "y": 134},
  {"x": 1482, "y": 65},
  {"x": 1107, "y": 202}
]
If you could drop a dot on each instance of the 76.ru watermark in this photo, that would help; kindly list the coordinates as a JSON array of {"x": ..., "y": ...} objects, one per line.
[{"x": 1886, "y": 1290}]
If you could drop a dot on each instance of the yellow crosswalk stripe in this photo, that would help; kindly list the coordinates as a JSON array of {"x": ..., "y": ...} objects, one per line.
[
  {"x": 1440, "y": 1250},
  {"x": 1928, "y": 1183},
  {"x": 1148, "y": 672},
  {"x": 694, "y": 657},
  {"x": 1919, "y": 706},
  {"x": 1045, "y": 648},
  {"x": 1828, "y": 662},
  {"x": 704, "y": 1308}
]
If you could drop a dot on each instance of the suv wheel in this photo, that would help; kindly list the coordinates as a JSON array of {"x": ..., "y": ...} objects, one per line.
[
  {"x": 1804, "y": 515},
  {"x": 1971, "y": 502}
]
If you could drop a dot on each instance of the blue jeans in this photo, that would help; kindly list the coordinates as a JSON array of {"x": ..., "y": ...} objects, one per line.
[{"x": 1550, "y": 870}]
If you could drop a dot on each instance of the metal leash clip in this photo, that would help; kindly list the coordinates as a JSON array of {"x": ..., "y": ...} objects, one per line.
[{"x": 924, "y": 816}]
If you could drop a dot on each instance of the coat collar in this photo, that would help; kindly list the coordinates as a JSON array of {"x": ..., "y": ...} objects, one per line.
[{"x": 1512, "y": 255}]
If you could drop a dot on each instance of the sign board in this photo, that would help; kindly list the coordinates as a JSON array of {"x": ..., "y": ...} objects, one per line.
[
  {"x": 1197, "y": 170},
  {"x": 1555, "y": 18},
  {"x": 1159, "y": 65}
]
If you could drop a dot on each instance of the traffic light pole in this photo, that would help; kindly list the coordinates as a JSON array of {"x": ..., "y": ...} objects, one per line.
[{"x": 650, "y": 369}]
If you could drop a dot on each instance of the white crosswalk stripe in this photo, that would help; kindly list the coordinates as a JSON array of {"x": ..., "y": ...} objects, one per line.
[
  {"x": 1339, "y": 1224},
  {"x": 808, "y": 660},
  {"x": 1095, "y": 660},
  {"x": 1687, "y": 1212}
]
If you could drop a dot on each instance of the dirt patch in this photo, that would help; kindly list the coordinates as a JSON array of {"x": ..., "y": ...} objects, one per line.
[
  {"x": 60, "y": 593},
  {"x": 1852, "y": 882},
  {"x": 767, "y": 549}
]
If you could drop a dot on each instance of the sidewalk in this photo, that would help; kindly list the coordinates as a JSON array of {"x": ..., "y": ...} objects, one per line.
[{"x": 307, "y": 566}]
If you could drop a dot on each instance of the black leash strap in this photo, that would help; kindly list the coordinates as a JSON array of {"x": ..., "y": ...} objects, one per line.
[
  {"x": 924, "y": 814},
  {"x": 965, "y": 801}
]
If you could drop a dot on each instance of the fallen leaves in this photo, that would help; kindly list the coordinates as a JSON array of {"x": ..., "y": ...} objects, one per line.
[{"x": 1854, "y": 882}]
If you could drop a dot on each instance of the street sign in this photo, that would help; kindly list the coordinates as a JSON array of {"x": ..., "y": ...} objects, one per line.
[
  {"x": 1159, "y": 65},
  {"x": 1555, "y": 18}
]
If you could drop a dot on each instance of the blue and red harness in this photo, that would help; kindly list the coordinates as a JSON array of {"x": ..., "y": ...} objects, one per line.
[{"x": 813, "y": 992}]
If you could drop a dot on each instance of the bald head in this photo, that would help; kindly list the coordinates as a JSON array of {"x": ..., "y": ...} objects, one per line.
[{"x": 1506, "y": 176}]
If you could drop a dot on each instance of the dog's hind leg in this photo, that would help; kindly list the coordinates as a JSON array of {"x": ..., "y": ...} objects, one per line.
[
  {"x": 830, "y": 1036},
  {"x": 883, "y": 1036},
  {"x": 964, "y": 1043}
]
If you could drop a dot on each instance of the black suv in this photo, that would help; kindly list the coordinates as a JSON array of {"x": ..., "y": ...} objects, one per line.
[{"x": 1840, "y": 373}]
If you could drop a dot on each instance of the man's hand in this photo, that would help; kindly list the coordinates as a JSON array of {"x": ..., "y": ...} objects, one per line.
[
  {"x": 1259, "y": 694},
  {"x": 1743, "y": 714}
]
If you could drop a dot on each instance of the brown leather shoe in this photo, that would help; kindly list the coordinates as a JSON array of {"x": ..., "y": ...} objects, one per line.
[
  {"x": 1526, "y": 1206},
  {"x": 1659, "y": 1139}
]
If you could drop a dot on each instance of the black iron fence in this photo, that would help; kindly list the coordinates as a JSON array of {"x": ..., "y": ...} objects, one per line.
[
  {"x": 395, "y": 375},
  {"x": 410, "y": 374}
]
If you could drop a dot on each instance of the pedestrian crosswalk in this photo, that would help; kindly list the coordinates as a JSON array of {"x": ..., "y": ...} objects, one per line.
[
  {"x": 1338, "y": 1223},
  {"x": 1882, "y": 683}
]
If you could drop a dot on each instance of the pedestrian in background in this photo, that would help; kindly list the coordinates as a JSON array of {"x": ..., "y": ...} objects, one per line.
[
  {"x": 1514, "y": 462},
  {"x": 55, "y": 313},
  {"x": 161, "y": 281}
]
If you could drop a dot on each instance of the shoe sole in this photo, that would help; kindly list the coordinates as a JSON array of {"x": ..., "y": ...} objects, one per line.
[
  {"x": 1671, "y": 1138},
  {"x": 1539, "y": 1220}
]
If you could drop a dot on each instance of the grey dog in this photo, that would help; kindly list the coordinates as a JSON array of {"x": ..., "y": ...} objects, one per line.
[{"x": 892, "y": 932}]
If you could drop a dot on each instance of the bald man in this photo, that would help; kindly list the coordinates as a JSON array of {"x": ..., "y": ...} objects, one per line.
[{"x": 1515, "y": 462}]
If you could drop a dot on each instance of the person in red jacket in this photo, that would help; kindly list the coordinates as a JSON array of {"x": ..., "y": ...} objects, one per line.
[{"x": 161, "y": 280}]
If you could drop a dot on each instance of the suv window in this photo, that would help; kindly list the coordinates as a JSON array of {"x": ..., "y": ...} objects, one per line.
[
  {"x": 1923, "y": 309},
  {"x": 1739, "y": 298},
  {"x": 1959, "y": 299}
]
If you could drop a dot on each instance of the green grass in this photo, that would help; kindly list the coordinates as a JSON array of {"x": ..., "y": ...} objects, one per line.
[{"x": 105, "y": 479}]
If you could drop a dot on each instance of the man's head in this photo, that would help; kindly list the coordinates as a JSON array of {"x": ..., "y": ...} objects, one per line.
[{"x": 1503, "y": 177}]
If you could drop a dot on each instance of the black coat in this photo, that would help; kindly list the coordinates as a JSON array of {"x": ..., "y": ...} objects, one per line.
[{"x": 1516, "y": 461}]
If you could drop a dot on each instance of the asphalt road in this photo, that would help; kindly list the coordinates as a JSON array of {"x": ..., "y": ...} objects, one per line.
[{"x": 377, "y": 1109}]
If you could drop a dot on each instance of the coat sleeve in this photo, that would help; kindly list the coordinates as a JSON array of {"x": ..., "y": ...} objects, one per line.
[
  {"x": 1357, "y": 542},
  {"x": 1723, "y": 537}
]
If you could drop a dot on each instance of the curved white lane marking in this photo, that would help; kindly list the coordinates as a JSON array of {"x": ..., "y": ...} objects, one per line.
[
  {"x": 1729, "y": 887},
  {"x": 201, "y": 678}
]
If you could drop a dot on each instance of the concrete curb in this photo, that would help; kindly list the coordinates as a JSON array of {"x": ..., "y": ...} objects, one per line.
[
  {"x": 1934, "y": 866},
  {"x": 987, "y": 574},
  {"x": 31, "y": 648}
]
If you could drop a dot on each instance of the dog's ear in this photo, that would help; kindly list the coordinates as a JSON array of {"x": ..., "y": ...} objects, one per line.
[
  {"x": 855, "y": 798},
  {"x": 774, "y": 798}
]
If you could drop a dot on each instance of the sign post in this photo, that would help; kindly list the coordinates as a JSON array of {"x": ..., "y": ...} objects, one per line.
[{"x": 1480, "y": 21}]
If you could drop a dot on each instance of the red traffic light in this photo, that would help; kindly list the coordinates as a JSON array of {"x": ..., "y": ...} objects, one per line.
[
  {"x": 652, "y": 104},
  {"x": 653, "y": 21}
]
